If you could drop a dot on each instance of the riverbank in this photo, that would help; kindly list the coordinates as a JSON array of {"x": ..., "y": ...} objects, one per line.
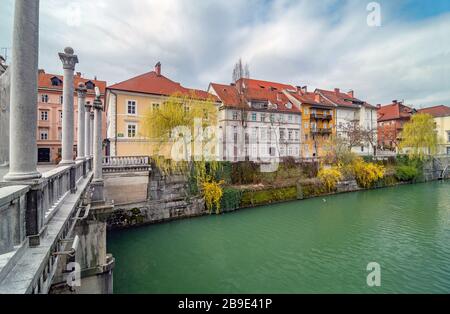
[{"x": 235, "y": 199}]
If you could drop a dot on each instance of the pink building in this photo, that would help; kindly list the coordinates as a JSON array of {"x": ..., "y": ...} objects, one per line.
[{"x": 50, "y": 99}]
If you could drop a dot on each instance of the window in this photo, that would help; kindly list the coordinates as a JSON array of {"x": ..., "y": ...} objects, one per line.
[
  {"x": 131, "y": 130},
  {"x": 61, "y": 100},
  {"x": 44, "y": 98},
  {"x": 290, "y": 152},
  {"x": 235, "y": 115},
  {"x": 131, "y": 107},
  {"x": 263, "y": 134},
  {"x": 272, "y": 118},
  {"x": 60, "y": 135},
  {"x": 290, "y": 135},
  {"x": 56, "y": 81},
  {"x": 90, "y": 85},
  {"x": 306, "y": 125},
  {"x": 44, "y": 115},
  {"x": 282, "y": 136},
  {"x": 255, "y": 133},
  {"x": 448, "y": 136},
  {"x": 263, "y": 117},
  {"x": 60, "y": 115},
  {"x": 290, "y": 119},
  {"x": 297, "y": 135},
  {"x": 306, "y": 111},
  {"x": 254, "y": 117},
  {"x": 155, "y": 106},
  {"x": 43, "y": 135}
]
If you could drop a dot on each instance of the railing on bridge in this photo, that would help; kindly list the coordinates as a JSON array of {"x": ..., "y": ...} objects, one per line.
[
  {"x": 126, "y": 163},
  {"x": 35, "y": 222}
]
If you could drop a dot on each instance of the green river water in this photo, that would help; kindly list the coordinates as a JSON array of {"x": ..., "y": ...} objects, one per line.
[{"x": 314, "y": 246}]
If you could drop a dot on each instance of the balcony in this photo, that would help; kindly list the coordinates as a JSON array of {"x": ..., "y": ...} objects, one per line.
[
  {"x": 322, "y": 131},
  {"x": 321, "y": 116}
]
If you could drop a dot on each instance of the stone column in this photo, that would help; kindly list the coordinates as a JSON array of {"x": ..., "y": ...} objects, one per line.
[
  {"x": 87, "y": 123},
  {"x": 91, "y": 141},
  {"x": 97, "y": 183},
  {"x": 69, "y": 60},
  {"x": 24, "y": 92},
  {"x": 82, "y": 90}
]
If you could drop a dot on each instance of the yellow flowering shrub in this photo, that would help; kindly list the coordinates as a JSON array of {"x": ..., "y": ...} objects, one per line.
[
  {"x": 367, "y": 174},
  {"x": 330, "y": 177},
  {"x": 212, "y": 192}
]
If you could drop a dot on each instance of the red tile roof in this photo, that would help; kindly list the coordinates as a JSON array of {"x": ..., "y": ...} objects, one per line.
[
  {"x": 45, "y": 82},
  {"x": 437, "y": 111},
  {"x": 259, "y": 84},
  {"x": 394, "y": 111},
  {"x": 312, "y": 99},
  {"x": 152, "y": 83},
  {"x": 256, "y": 91},
  {"x": 342, "y": 99}
]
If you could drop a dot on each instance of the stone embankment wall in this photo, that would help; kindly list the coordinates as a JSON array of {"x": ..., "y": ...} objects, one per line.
[
  {"x": 166, "y": 198},
  {"x": 158, "y": 198}
]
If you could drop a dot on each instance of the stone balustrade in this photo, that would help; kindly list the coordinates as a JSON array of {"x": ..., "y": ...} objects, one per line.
[
  {"x": 35, "y": 220},
  {"x": 126, "y": 163}
]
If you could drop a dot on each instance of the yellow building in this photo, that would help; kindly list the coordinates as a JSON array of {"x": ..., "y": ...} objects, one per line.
[
  {"x": 318, "y": 122},
  {"x": 127, "y": 105},
  {"x": 441, "y": 116}
]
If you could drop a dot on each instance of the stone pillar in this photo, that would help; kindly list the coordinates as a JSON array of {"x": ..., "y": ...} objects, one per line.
[
  {"x": 91, "y": 141},
  {"x": 4, "y": 117},
  {"x": 88, "y": 136},
  {"x": 69, "y": 60},
  {"x": 81, "y": 121},
  {"x": 97, "y": 183},
  {"x": 24, "y": 92}
]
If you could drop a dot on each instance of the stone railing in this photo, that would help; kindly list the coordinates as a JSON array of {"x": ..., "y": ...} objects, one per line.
[
  {"x": 35, "y": 221},
  {"x": 126, "y": 163}
]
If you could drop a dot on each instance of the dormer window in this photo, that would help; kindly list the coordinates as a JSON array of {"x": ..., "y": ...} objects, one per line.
[
  {"x": 289, "y": 105},
  {"x": 90, "y": 85},
  {"x": 56, "y": 81}
]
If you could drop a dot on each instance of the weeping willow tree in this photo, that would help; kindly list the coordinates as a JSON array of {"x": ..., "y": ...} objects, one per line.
[
  {"x": 183, "y": 133},
  {"x": 419, "y": 136}
]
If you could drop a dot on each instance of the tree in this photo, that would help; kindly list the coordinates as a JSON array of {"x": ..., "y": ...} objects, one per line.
[
  {"x": 181, "y": 118},
  {"x": 419, "y": 136},
  {"x": 352, "y": 134}
]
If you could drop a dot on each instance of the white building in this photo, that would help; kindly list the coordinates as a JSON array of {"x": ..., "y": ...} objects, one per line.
[
  {"x": 259, "y": 124},
  {"x": 351, "y": 111}
]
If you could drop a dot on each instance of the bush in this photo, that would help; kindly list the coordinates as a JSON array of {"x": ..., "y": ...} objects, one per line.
[
  {"x": 212, "y": 192},
  {"x": 330, "y": 178},
  {"x": 244, "y": 173},
  {"x": 231, "y": 199},
  {"x": 254, "y": 198},
  {"x": 407, "y": 173},
  {"x": 367, "y": 174},
  {"x": 312, "y": 188}
]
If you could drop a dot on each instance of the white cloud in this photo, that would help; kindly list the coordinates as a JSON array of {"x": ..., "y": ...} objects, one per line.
[{"x": 323, "y": 44}]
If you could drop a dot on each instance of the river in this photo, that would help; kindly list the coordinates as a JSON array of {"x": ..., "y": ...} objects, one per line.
[{"x": 319, "y": 245}]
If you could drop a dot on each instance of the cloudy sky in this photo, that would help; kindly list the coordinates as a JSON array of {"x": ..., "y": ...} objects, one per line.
[{"x": 324, "y": 44}]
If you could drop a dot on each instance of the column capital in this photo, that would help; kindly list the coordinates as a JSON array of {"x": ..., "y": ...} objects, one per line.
[
  {"x": 69, "y": 60},
  {"x": 81, "y": 90},
  {"x": 98, "y": 105}
]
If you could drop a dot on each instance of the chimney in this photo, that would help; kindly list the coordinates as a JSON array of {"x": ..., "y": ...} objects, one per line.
[
  {"x": 378, "y": 106},
  {"x": 395, "y": 101},
  {"x": 351, "y": 94},
  {"x": 158, "y": 69},
  {"x": 78, "y": 74},
  {"x": 41, "y": 71},
  {"x": 304, "y": 89},
  {"x": 337, "y": 90}
]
